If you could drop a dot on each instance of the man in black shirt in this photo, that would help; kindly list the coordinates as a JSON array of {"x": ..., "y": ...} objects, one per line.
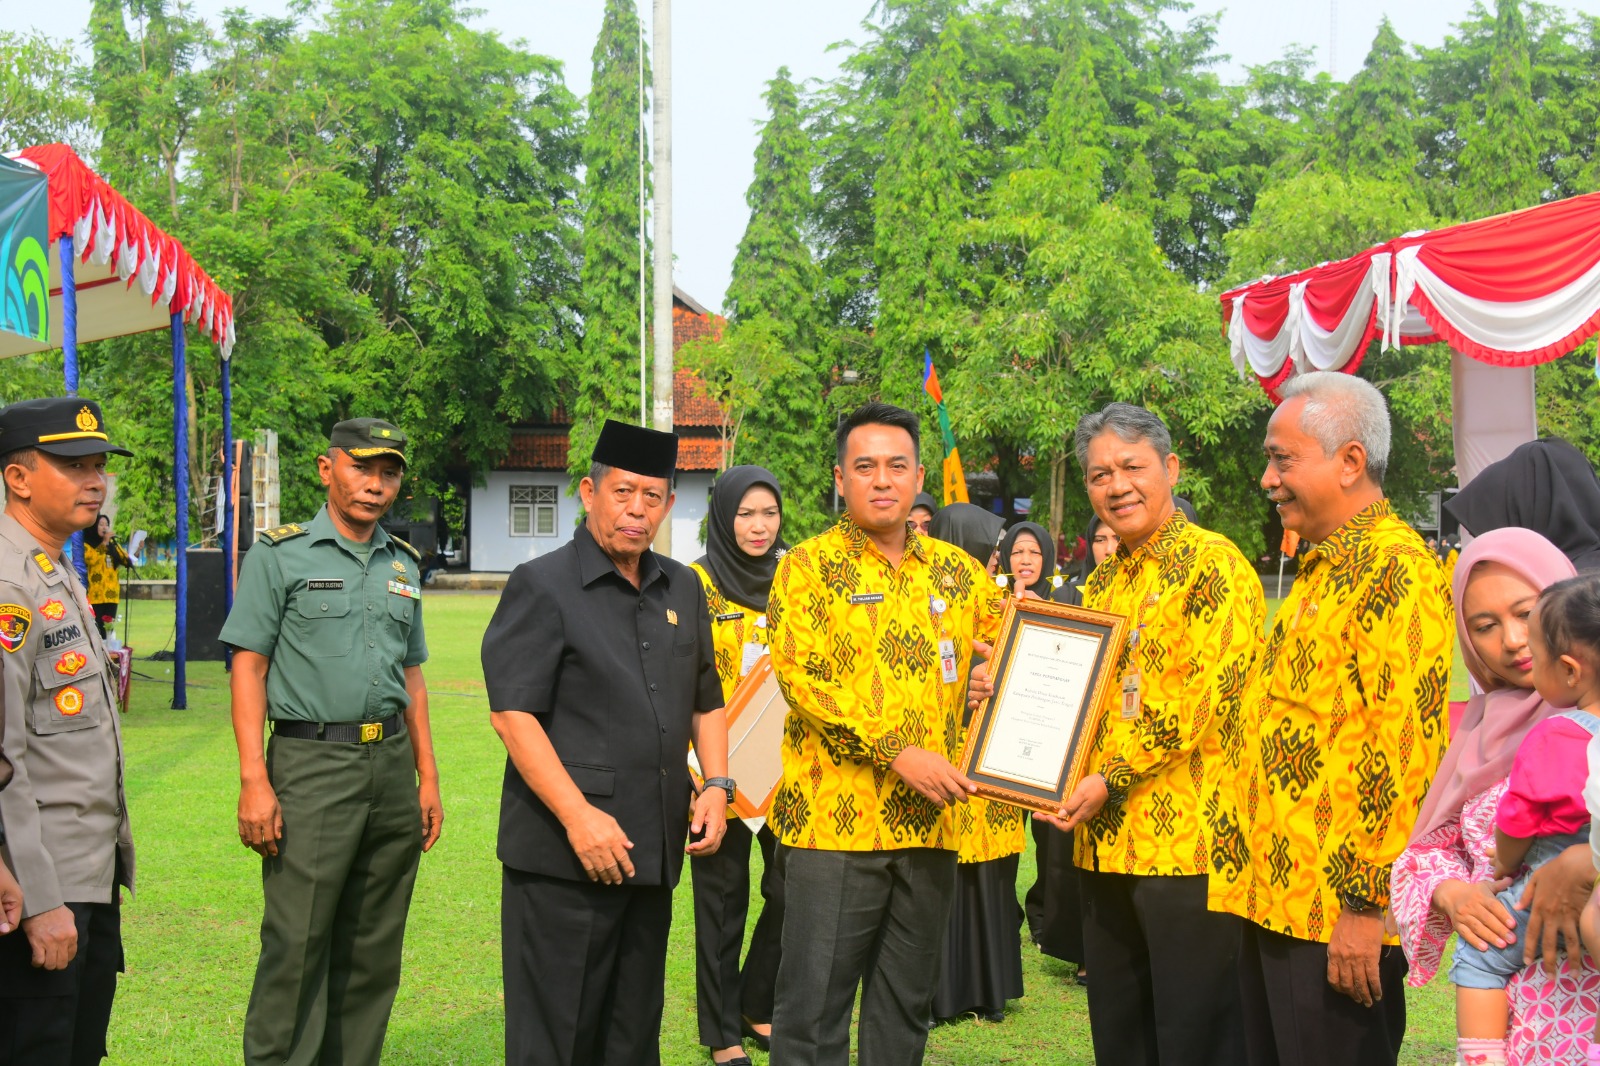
[{"x": 600, "y": 671}]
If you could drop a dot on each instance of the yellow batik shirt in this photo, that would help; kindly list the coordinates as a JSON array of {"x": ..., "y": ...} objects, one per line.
[
  {"x": 1344, "y": 728},
  {"x": 104, "y": 587},
  {"x": 733, "y": 625},
  {"x": 1195, "y": 614},
  {"x": 855, "y": 647}
]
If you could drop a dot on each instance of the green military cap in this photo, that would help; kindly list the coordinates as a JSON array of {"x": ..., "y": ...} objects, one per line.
[
  {"x": 366, "y": 437},
  {"x": 61, "y": 425}
]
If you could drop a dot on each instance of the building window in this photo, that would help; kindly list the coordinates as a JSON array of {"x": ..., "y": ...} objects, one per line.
[{"x": 533, "y": 510}]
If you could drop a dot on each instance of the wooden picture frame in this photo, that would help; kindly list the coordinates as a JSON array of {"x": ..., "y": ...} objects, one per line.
[{"x": 1028, "y": 743}]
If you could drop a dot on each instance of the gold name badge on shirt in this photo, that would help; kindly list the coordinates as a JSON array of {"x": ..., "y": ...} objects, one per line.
[{"x": 672, "y": 616}]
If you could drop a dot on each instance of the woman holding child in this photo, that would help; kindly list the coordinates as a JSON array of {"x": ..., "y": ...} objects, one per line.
[{"x": 1445, "y": 881}]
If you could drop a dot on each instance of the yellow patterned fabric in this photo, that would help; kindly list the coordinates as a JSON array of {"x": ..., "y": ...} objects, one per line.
[
  {"x": 104, "y": 587},
  {"x": 732, "y": 627},
  {"x": 1344, "y": 728},
  {"x": 988, "y": 829},
  {"x": 855, "y": 646},
  {"x": 1195, "y": 614}
]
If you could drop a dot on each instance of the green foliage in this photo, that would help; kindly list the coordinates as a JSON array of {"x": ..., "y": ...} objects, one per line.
[
  {"x": 775, "y": 282},
  {"x": 605, "y": 371},
  {"x": 1499, "y": 164},
  {"x": 1375, "y": 120},
  {"x": 40, "y": 99},
  {"x": 737, "y": 371}
]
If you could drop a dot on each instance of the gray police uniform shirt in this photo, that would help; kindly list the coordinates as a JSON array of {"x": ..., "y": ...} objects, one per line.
[
  {"x": 64, "y": 813},
  {"x": 339, "y": 631}
]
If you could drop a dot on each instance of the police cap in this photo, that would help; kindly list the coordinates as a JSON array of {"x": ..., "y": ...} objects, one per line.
[{"x": 61, "y": 425}]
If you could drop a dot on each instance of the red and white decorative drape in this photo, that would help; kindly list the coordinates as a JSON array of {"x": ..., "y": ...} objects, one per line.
[{"x": 1511, "y": 291}]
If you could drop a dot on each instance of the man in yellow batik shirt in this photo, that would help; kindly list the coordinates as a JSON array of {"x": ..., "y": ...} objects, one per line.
[
  {"x": 1165, "y": 984},
  {"x": 1344, "y": 729},
  {"x": 872, "y": 631}
]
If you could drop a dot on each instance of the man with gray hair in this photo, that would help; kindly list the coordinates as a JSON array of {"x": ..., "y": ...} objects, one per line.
[
  {"x": 1344, "y": 728},
  {"x": 1164, "y": 968}
]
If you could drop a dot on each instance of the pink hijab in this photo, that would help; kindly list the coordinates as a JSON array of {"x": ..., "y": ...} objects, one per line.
[{"x": 1494, "y": 723}]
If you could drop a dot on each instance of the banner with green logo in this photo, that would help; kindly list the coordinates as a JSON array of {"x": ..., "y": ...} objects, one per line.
[{"x": 24, "y": 265}]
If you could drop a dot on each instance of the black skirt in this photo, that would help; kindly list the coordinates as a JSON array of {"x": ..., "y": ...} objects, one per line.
[
  {"x": 982, "y": 959},
  {"x": 1060, "y": 930}
]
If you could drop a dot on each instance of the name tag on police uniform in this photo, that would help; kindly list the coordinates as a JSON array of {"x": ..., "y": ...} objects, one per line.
[
  {"x": 325, "y": 584},
  {"x": 400, "y": 588}
]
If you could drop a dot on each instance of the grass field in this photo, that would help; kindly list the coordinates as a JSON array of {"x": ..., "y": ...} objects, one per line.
[{"x": 191, "y": 933}]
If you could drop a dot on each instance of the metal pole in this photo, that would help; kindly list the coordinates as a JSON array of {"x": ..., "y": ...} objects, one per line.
[
  {"x": 69, "y": 369},
  {"x": 225, "y": 499},
  {"x": 180, "y": 478},
  {"x": 643, "y": 332},
  {"x": 661, "y": 114}
]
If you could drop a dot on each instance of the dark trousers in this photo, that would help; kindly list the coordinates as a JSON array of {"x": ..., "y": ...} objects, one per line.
[
  {"x": 60, "y": 1017},
  {"x": 585, "y": 968},
  {"x": 1294, "y": 1017},
  {"x": 721, "y": 884},
  {"x": 336, "y": 897},
  {"x": 1163, "y": 972},
  {"x": 873, "y": 919}
]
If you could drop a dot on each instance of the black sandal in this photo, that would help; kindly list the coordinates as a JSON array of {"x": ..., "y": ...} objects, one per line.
[{"x": 763, "y": 1040}]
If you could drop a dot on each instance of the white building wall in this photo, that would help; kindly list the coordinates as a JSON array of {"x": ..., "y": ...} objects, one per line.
[{"x": 492, "y": 548}]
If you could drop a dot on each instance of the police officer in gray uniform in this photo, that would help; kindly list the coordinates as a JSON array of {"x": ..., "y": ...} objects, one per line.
[
  {"x": 327, "y": 632},
  {"x": 65, "y": 819}
]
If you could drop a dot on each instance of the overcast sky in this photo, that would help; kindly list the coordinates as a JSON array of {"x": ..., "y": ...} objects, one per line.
[{"x": 725, "y": 50}]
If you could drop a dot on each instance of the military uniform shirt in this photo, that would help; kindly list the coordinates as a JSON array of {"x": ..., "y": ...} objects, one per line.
[
  {"x": 64, "y": 812},
  {"x": 1195, "y": 614},
  {"x": 1344, "y": 728},
  {"x": 855, "y": 647},
  {"x": 339, "y": 630}
]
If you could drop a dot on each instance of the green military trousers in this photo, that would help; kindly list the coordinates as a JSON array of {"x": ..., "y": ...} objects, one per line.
[{"x": 336, "y": 899}]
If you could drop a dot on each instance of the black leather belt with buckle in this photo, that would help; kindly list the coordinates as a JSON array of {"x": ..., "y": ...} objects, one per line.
[{"x": 341, "y": 732}]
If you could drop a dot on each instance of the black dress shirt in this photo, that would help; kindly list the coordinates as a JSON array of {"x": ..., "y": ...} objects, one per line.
[{"x": 615, "y": 675}]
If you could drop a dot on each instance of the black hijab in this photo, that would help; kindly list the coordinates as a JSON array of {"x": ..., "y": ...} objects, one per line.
[
  {"x": 744, "y": 579},
  {"x": 1047, "y": 549},
  {"x": 1546, "y": 486},
  {"x": 925, "y": 499},
  {"x": 970, "y": 528},
  {"x": 1087, "y": 566}
]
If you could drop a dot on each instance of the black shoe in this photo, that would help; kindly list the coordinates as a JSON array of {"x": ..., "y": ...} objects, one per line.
[
  {"x": 763, "y": 1040},
  {"x": 1081, "y": 977},
  {"x": 994, "y": 1016},
  {"x": 742, "y": 1060}
]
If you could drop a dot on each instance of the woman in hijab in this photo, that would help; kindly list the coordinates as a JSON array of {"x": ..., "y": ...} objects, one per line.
[
  {"x": 982, "y": 962},
  {"x": 923, "y": 508},
  {"x": 743, "y": 546},
  {"x": 1028, "y": 562},
  {"x": 1546, "y": 486},
  {"x": 1441, "y": 882}
]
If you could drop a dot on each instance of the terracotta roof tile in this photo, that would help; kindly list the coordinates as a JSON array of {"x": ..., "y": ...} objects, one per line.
[{"x": 542, "y": 449}]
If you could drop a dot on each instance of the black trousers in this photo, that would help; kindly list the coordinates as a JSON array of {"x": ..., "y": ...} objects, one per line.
[
  {"x": 60, "y": 1017},
  {"x": 721, "y": 885},
  {"x": 1294, "y": 1017},
  {"x": 584, "y": 966},
  {"x": 873, "y": 919},
  {"x": 1163, "y": 984}
]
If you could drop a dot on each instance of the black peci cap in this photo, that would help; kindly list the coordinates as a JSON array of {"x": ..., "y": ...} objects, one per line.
[
  {"x": 61, "y": 425},
  {"x": 648, "y": 452},
  {"x": 366, "y": 437}
]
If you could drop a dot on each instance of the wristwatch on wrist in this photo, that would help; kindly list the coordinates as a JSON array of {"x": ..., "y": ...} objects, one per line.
[
  {"x": 1357, "y": 904},
  {"x": 724, "y": 783}
]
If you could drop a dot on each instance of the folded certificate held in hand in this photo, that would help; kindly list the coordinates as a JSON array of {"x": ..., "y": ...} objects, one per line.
[{"x": 1027, "y": 744}]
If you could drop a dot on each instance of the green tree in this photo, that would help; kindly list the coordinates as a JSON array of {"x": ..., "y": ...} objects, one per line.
[
  {"x": 606, "y": 370},
  {"x": 737, "y": 371},
  {"x": 1374, "y": 127},
  {"x": 1500, "y": 161},
  {"x": 40, "y": 99},
  {"x": 919, "y": 200},
  {"x": 776, "y": 281}
]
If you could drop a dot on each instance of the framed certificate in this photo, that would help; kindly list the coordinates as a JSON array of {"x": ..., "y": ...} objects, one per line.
[
  {"x": 756, "y": 715},
  {"x": 1052, "y": 667}
]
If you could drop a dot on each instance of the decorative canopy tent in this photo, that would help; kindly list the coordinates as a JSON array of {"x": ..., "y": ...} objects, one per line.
[
  {"x": 1506, "y": 293},
  {"x": 113, "y": 272}
]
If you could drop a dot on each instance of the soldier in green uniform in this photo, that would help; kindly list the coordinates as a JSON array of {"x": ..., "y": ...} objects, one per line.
[{"x": 327, "y": 632}]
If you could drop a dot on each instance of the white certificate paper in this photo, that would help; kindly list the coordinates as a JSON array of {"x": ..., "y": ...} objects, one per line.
[{"x": 1049, "y": 675}]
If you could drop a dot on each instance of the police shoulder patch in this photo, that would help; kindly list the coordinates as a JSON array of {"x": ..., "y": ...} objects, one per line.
[
  {"x": 15, "y": 620},
  {"x": 407, "y": 548},
  {"x": 283, "y": 533}
]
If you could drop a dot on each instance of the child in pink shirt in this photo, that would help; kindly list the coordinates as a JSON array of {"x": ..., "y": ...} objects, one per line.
[{"x": 1540, "y": 815}]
